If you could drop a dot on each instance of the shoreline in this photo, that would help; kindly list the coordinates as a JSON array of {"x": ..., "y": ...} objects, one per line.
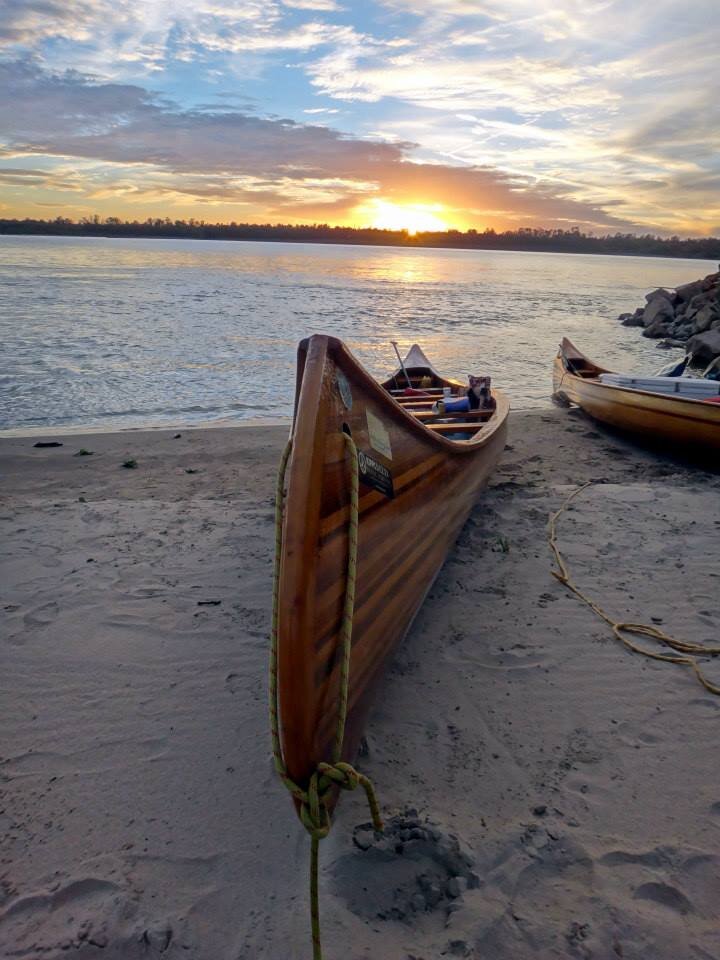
[
  {"x": 88, "y": 430},
  {"x": 142, "y": 815},
  {"x": 400, "y": 244},
  {"x": 92, "y": 430}
]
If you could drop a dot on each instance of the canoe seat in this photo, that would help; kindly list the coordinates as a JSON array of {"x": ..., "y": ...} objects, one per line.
[
  {"x": 399, "y": 393},
  {"x": 466, "y": 415}
]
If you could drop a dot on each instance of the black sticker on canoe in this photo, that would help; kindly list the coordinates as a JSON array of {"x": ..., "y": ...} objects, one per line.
[{"x": 375, "y": 474}]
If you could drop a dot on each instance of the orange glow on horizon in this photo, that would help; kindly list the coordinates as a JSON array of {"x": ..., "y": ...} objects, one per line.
[{"x": 413, "y": 217}]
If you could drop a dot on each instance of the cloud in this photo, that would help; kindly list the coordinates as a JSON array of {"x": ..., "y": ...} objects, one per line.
[
  {"x": 123, "y": 37},
  {"x": 327, "y": 6},
  {"x": 31, "y": 21},
  {"x": 443, "y": 82},
  {"x": 70, "y": 117},
  {"x": 306, "y": 36},
  {"x": 158, "y": 149}
]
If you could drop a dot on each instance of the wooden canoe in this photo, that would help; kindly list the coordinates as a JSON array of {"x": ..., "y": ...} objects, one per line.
[
  {"x": 680, "y": 421},
  {"x": 406, "y": 525}
]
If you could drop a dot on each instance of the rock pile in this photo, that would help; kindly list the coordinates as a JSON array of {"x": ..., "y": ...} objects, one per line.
[{"x": 688, "y": 316}]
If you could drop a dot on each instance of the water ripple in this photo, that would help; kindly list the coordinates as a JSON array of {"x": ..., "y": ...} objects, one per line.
[{"x": 131, "y": 332}]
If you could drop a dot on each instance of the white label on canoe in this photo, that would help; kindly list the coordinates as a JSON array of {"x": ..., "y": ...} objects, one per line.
[{"x": 378, "y": 435}]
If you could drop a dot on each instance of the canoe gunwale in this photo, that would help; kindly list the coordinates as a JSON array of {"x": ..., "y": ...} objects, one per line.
[{"x": 393, "y": 408}]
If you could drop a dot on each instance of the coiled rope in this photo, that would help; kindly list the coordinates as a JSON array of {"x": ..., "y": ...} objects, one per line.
[
  {"x": 638, "y": 629},
  {"x": 313, "y": 802}
]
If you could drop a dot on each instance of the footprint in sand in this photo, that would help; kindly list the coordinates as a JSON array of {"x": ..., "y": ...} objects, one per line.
[
  {"x": 657, "y": 858},
  {"x": 73, "y": 916},
  {"x": 666, "y": 896},
  {"x": 705, "y": 708},
  {"x": 41, "y": 616}
]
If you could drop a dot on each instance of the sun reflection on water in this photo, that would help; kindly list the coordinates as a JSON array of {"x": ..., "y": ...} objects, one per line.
[{"x": 135, "y": 331}]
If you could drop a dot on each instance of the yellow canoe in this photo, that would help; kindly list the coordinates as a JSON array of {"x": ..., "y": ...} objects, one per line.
[{"x": 677, "y": 420}]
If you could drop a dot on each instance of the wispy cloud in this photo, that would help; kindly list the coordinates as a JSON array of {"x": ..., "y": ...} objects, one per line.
[
  {"x": 325, "y": 6},
  {"x": 29, "y": 22}
]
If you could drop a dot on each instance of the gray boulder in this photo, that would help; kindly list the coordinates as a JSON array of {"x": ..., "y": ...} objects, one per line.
[
  {"x": 710, "y": 281},
  {"x": 632, "y": 319},
  {"x": 705, "y": 316},
  {"x": 687, "y": 291},
  {"x": 704, "y": 346},
  {"x": 661, "y": 292},
  {"x": 657, "y": 317},
  {"x": 660, "y": 327},
  {"x": 707, "y": 296},
  {"x": 681, "y": 331}
]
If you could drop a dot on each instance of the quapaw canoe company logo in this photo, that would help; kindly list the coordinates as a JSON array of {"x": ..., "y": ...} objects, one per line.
[{"x": 374, "y": 474}]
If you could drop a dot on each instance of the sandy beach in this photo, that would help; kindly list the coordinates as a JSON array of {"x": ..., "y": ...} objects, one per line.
[{"x": 567, "y": 791}]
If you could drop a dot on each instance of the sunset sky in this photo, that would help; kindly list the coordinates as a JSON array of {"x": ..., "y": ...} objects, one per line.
[{"x": 399, "y": 113}]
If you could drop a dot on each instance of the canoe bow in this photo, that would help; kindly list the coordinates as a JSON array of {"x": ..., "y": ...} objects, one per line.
[{"x": 416, "y": 492}]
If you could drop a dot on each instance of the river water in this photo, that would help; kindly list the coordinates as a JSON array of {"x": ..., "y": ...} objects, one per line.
[{"x": 120, "y": 333}]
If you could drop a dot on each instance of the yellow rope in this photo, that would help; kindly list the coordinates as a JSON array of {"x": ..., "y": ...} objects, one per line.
[
  {"x": 619, "y": 628},
  {"x": 314, "y": 813}
]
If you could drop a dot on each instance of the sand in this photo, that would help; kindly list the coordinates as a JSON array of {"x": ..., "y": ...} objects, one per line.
[{"x": 547, "y": 793}]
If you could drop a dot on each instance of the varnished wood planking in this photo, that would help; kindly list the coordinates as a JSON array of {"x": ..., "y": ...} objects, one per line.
[
  {"x": 402, "y": 546},
  {"x": 393, "y": 607},
  {"x": 402, "y": 541},
  {"x": 391, "y": 554},
  {"x": 679, "y": 420},
  {"x": 372, "y": 598},
  {"x": 422, "y": 470}
]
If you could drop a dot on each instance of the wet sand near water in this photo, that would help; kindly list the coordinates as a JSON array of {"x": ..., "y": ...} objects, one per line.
[{"x": 547, "y": 792}]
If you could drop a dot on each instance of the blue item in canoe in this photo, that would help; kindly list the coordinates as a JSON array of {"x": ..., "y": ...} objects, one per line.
[{"x": 462, "y": 405}]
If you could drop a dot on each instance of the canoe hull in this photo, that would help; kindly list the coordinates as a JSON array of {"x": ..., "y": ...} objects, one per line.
[
  {"x": 677, "y": 421},
  {"x": 406, "y": 527}
]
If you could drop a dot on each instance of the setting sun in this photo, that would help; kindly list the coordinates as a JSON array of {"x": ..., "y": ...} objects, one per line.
[{"x": 413, "y": 217}]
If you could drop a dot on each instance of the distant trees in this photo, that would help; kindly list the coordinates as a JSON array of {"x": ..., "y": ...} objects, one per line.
[{"x": 524, "y": 238}]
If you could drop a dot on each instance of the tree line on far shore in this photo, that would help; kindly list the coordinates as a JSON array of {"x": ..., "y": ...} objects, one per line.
[{"x": 525, "y": 238}]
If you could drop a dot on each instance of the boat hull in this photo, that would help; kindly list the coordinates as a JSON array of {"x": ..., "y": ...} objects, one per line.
[
  {"x": 675, "y": 421},
  {"x": 405, "y": 529}
]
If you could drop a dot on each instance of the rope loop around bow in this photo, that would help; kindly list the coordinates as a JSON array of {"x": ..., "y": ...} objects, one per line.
[{"x": 314, "y": 813}]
